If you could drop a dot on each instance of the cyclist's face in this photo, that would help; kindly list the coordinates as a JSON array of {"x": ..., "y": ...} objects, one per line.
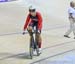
[
  {"x": 33, "y": 13},
  {"x": 72, "y": 4}
]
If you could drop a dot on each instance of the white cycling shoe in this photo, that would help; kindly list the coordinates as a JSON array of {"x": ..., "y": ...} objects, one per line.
[
  {"x": 40, "y": 51},
  {"x": 35, "y": 53}
]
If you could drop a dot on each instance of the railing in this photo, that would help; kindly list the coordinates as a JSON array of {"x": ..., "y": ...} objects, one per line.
[{"x": 6, "y": 0}]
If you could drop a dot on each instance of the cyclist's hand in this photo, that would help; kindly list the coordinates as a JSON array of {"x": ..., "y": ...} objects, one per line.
[
  {"x": 39, "y": 31},
  {"x": 23, "y": 32}
]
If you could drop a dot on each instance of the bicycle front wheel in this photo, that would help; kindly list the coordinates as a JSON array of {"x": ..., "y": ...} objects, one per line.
[{"x": 31, "y": 52}]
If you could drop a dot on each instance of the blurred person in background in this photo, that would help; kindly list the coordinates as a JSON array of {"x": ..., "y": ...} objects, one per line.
[{"x": 71, "y": 13}]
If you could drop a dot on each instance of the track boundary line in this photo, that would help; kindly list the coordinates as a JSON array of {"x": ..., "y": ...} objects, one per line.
[
  {"x": 58, "y": 45},
  {"x": 52, "y": 28},
  {"x": 52, "y": 56}
]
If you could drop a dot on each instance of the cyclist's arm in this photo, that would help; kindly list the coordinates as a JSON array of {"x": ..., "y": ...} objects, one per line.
[
  {"x": 27, "y": 22},
  {"x": 39, "y": 21},
  {"x": 70, "y": 15}
]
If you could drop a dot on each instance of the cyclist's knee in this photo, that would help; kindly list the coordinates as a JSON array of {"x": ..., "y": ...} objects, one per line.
[
  {"x": 29, "y": 29},
  {"x": 38, "y": 37}
]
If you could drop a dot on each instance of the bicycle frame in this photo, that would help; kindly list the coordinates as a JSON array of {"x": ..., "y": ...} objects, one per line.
[{"x": 33, "y": 45}]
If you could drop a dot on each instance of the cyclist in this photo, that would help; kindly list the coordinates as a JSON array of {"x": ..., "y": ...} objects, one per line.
[{"x": 34, "y": 19}]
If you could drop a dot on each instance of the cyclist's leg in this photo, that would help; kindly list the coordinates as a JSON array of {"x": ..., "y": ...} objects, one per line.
[
  {"x": 39, "y": 39},
  {"x": 38, "y": 36},
  {"x": 29, "y": 29}
]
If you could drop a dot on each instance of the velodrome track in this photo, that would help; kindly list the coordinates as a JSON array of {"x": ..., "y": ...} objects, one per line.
[{"x": 14, "y": 47}]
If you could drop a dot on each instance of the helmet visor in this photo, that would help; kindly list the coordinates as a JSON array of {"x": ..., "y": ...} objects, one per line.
[{"x": 31, "y": 10}]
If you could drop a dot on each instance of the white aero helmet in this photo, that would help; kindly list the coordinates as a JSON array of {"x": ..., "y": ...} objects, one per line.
[{"x": 32, "y": 9}]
